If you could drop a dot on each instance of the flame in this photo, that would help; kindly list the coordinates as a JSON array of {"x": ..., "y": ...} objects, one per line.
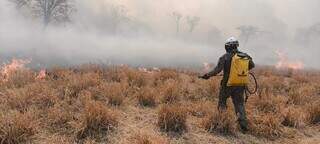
[
  {"x": 42, "y": 75},
  {"x": 156, "y": 69},
  {"x": 206, "y": 66},
  {"x": 285, "y": 63},
  {"x": 142, "y": 69},
  {"x": 15, "y": 65},
  {"x": 150, "y": 71}
]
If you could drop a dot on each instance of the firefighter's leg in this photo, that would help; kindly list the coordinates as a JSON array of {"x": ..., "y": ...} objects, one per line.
[
  {"x": 223, "y": 96},
  {"x": 239, "y": 106}
]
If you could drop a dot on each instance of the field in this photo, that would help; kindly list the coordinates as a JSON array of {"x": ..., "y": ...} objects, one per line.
[{"x": 120, "y": 105}]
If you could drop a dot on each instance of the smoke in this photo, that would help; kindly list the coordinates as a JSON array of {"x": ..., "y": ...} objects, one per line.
[{"x": 144, "y": 32}]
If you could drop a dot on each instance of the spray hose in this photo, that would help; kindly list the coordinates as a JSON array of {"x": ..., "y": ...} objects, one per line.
[{"x": 250, "y": 92}]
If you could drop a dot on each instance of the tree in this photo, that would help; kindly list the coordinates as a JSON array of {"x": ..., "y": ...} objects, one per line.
[
  {"x": 192, "y": 22},
  {"x": 177, "y": 17},
  {"x": 21, "y": 3},
  {"x": 53, "y": 10},
  {"x": 246, "y": 31},
  {"x": 48, "y": 10}
]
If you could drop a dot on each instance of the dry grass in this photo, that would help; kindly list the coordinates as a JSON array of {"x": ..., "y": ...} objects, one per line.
[
  {"x": 136, "y": 79},
  {"x": 147, "y": 97},
  {"x": 202, "y": 108},
  {"x": 96, "y": 121},
  {"x": 266, "y": 125},
  {"x": 301, "y": 94},
  {"x": 269, "y": 103},
  {"x": 164, "y": 75},
  {"x": 77, "y": 82},
  {"x": 314, "y": 112},
  {"x": 222, "y": 122},
  {"x": 115, "y": 92},
  {"x": 19, "y": 78},
  {"x": 31, "y": 95},
  {"x": 172, "y": 118},
  {"x": 77, "y": 105},
  {"x": 16, "y": 127},
  {"x": 147, "y": 139},
  {"x": 170, "y": 92},
  {"x": 59, "y": 118},
  {"x": 294, "y": 117}
]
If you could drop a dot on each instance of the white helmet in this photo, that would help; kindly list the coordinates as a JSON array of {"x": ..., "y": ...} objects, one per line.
[{"x": 232, "y": 41}]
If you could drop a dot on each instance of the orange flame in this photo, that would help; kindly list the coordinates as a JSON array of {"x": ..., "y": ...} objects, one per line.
[
  {"x": 145, "y": 70},
  {"x": 42, "y": 75},
  {"x": 156, "y": 69},
  {"x": 286, "y": 64},
  {"x": 206, "y": 66},
  {"x": 15, "y": 65},
  {"x": 150, "y": 71}
]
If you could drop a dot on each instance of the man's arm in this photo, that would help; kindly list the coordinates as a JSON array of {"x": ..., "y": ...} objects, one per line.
[{"x": 217, "y": 69}]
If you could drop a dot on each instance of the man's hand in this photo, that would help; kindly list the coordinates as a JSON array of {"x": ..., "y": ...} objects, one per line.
[{"x": 206, "y": 76}]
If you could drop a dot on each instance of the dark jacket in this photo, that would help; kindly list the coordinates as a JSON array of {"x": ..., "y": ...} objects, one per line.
[{"x": 224, "y": 65}]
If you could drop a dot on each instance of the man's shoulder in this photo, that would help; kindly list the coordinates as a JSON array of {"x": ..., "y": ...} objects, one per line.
[
  {"x": 243, "y": 54},
  {"x": 225, "y": 56}
]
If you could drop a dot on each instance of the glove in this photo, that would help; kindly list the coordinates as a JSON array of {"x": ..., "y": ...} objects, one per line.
[{"x": 206, "y": 76}]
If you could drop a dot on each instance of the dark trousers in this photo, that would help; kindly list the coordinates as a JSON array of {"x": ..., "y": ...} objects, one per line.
[{"x": 237, "y": 95}]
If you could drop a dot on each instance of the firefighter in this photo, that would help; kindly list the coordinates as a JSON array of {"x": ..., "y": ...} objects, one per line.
[{"x": 235, "y": 66}]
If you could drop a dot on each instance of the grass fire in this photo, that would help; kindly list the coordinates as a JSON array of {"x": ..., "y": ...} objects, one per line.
[
  {"x": 159, "y": 72},
  {"x": 91, "y": 103}
]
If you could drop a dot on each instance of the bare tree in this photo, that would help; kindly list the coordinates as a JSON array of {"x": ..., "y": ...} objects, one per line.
[
  {"x": 48, "y": 10},
  {"x": 192, "y": 22},
  {"x": 177, "y": 17},
  {"x": 21, "y": 3},
  {"x": 247, "y": 31}
]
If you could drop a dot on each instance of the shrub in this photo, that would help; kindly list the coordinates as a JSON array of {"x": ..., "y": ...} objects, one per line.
[
  {"x": 114, "y": 74},
  {"x": 146, "y": 97},
  {"x": 78, "y": 82},
  {"x": 273, "y": 83},
  {"x": 202, "y": 90},
  {"x": 201, "y": 108},
  {"x": 301, "y": 94},
  {"x": 294, "y": 117},
  {"x": 18, "y": 78},
  {"x": 269, "y": 103},
  {"x": 170, "y": 92},
  {"x": 17, "y": 127},
  {"x": 172, "y": 118},
  {"x": 58, "y": 118},
  {"x": 266, "y": 125},
  {"x": 35, "y": 94},
  {"x": 222, "y": 122},
  {"x": 96, "y": 121},
  {"x": 314, "y": 113},
  {"x": 135, "y": 78},
  {"x": 58, "y": 139},
  {"x": 115, "y": 93},
  {"x": 88, "y": 68},
  {"x": 147, "y": 139},
  {"x": 164, "y": 75},
  {"x": 59, "y": 73}
]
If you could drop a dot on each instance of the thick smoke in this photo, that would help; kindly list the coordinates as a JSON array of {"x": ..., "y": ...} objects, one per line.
[{"x": 144, "y": 32}]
